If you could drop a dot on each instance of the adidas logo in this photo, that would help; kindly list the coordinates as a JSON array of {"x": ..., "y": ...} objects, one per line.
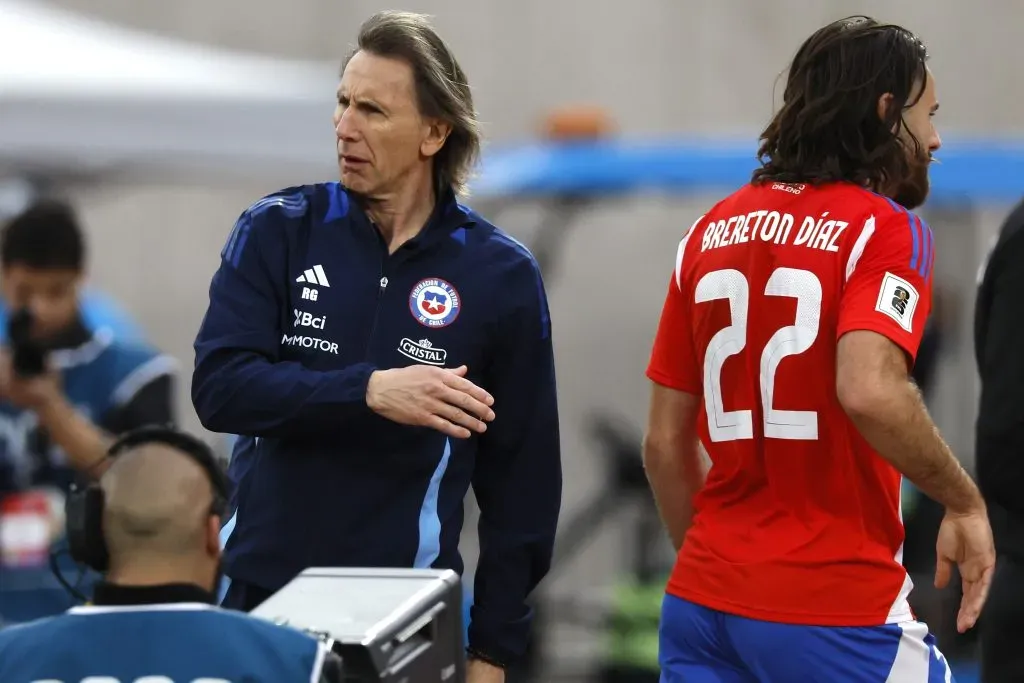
[{"x": 314, "y": 276}]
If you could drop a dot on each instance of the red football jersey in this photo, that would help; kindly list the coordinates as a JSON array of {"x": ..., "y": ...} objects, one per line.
[{"x": 799, "y": 520}]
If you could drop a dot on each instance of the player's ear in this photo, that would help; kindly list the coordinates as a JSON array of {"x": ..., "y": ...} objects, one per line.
[{"x": 884, "y": 104}]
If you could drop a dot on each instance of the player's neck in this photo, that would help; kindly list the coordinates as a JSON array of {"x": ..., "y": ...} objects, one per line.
[
  {"x": 402, "y": 214},
  {"x": 159, "y": 572}
]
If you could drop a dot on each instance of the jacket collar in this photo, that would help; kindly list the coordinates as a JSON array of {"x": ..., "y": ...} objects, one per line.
[
  {"x": 448, "y": 215},
  {"x": 110, "y": 594}
]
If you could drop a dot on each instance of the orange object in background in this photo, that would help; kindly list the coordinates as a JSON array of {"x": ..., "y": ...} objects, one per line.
[{"x": 577, "y": 122}]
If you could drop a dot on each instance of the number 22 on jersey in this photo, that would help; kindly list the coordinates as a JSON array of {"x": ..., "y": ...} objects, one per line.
[{"x": 732, "y": 285}]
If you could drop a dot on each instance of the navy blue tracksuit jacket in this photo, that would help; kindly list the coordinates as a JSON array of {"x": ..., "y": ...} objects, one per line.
[{"x": 306, "y": 304}]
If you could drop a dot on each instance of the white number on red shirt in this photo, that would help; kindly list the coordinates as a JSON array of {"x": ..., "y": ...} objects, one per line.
[{"x": 732, "y": 285}]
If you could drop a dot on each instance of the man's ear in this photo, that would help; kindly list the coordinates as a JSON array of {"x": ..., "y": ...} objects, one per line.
[
  {"x": 213, "y": 536},
  {"x": 437, "y": 133}
]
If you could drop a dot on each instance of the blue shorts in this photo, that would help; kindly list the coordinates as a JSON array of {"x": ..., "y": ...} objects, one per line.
[{"x": 700, "y": 645}]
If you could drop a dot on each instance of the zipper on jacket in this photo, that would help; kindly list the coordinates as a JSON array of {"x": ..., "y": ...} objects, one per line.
[{"x": 381, "y": 289}]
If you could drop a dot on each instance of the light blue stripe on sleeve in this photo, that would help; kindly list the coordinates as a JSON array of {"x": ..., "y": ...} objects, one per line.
[
  {"x": 225, "y": 534},
  {"x": 430, "y": 522}
]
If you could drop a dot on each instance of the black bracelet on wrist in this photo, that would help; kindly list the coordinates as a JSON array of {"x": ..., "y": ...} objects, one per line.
[{"x": 476, "y": 654}]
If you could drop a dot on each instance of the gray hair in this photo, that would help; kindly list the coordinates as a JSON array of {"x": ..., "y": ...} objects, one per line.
[{"x": 442, "y": 90}]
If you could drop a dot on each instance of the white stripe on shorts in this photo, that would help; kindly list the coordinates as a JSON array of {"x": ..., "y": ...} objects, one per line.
[{"x": 914, "y": 657}]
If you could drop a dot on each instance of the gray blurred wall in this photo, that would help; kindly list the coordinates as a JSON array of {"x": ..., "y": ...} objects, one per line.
[{"x": 659, "y": 67}]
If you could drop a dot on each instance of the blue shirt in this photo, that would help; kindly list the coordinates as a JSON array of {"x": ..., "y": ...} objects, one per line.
[
  {"x": 106, "y": 379},
  {"x": 306, "y": 305},
  {"x": 178, "y": 642}
]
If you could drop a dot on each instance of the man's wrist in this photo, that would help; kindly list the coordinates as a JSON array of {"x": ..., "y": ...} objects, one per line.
[
  {"x": 971, "y": 502},
  {"x": 52, "y": 408},
  {"x": 373, "y": 388}
]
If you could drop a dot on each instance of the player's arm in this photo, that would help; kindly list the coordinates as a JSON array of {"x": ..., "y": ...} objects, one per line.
[
  {"x": 672, "y": 457},
  {"x": 885, "y": 304},
  {"x": 999, "y": 454},
  {"x": 240, "y": 385},
  {"x": 517, "y": 478}
]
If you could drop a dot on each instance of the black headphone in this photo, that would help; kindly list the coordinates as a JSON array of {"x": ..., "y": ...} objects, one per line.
[{"x": 83, "y": 508}]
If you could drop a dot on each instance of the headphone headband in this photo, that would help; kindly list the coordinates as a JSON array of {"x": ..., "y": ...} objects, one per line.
[
  {"x": 179, "y": 440},
  {"x": 84, "y": 507}
]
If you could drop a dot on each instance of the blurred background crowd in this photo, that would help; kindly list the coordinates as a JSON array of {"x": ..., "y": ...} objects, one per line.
[{"x": 609, "y": 129}]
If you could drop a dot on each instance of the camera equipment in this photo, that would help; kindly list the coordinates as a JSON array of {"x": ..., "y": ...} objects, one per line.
[
  {"x": 84, "y": 506},
  {"x": 386, "y": 624},
  {"x": 27, "y": 355}
]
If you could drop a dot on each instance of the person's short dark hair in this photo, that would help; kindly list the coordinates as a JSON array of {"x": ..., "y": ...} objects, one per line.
[
  {"x": 44, "y": 236},
  {"x": 828, "y": 128}
]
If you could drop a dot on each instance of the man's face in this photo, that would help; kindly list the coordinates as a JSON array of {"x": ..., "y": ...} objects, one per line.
[
  {"x": 918, "y": 122},
  {"x": 381, "y": 135},
  {"x": 51, "y": 295}
]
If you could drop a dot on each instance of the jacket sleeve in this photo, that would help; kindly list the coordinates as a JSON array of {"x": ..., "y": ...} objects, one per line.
[
  {"x": 518, "y": 474},
  {"x": 999, "y": 456},
  {"x": 152, "y": 404},
  {"x": 240, "y": 385}
]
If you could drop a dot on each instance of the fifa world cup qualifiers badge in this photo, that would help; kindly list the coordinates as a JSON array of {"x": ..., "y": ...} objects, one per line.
[
  {"x": 898, "y": 299},
  {"x": 434, "y": 303}
]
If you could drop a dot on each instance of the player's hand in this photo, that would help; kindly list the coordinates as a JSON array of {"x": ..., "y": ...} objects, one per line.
[
  {"x": 424, "y": 396},
  {"x": 965, "y": 540}
]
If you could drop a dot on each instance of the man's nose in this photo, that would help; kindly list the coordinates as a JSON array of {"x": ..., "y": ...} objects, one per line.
[{"x": 345, "y": 126}]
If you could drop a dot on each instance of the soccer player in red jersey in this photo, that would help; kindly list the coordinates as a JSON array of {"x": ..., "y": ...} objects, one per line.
[{"x": 792, "y": 319}]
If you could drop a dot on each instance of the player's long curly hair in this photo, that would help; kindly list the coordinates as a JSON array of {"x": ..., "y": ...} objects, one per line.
[
  {"x": 828, "y": 128},
  {"x": 442, "y": 89}
]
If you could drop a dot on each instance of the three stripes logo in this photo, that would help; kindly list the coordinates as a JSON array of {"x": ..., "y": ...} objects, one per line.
[{"x": 313, "y": 276}]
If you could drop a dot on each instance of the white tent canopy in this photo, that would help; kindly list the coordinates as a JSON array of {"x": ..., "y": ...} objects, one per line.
[{"x": 80, "y": 98}]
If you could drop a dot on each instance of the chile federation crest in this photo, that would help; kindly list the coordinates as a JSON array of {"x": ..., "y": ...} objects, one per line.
[{"x": 434, "y": 303}]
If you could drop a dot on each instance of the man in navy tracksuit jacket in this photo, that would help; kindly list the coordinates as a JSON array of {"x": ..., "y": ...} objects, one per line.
[
  {"x": 305, "y": 306},
  {"x": 341, "y": 324}
]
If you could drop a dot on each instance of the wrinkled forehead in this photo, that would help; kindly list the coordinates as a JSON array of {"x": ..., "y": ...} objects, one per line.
[{"x": 373, "y": 77}]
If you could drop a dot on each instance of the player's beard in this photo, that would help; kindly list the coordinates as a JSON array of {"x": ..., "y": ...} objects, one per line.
[{"x": 913, "y": 189}]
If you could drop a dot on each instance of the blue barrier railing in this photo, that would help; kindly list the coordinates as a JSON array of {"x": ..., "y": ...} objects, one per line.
[{"x": 969, "y": 170}]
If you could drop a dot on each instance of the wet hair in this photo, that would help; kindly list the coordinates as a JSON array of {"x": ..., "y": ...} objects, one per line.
[{"x": 828, "y": 128}]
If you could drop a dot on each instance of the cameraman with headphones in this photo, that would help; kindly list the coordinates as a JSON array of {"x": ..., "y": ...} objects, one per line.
[{"x": 151, "y": 527}]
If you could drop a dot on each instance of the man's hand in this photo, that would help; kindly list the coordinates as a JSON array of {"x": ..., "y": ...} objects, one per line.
[
  {"x": 966, "y": 541},
  {"x": 424, "y": 396},
  {"x": 32, "y": 393},
  {"x": 478, "y": 671}
]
